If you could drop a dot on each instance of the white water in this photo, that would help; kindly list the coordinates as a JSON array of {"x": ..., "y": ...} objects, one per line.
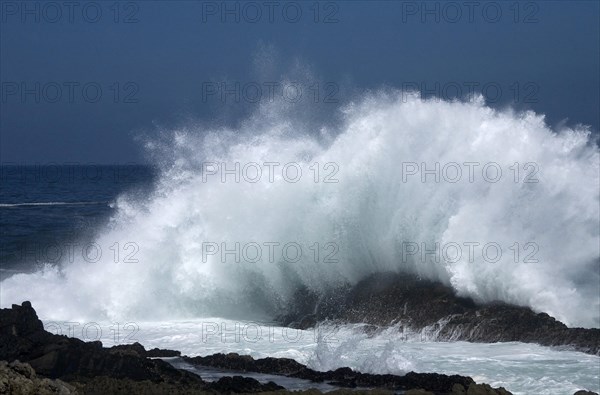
[
  {"x": 159, "y": 277},
  {"x": 521, "y": 368},
  {"x": 50, "y": 204},
  {"x": 367, "y": 214}
]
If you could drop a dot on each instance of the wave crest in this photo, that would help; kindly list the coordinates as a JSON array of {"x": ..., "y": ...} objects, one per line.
[{"x": 370, "y": 215}]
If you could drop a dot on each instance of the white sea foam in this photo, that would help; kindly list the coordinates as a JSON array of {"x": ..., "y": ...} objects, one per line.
[
  {"x": 521, "y": 368},
  {"x": 367, "y": 215},
  {"x": 31, "y": 204}
]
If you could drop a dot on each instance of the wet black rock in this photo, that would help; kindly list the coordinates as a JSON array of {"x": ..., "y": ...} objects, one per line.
[
  {"x": 131, "y": 349},
  {"x": 22, "y": 337},
  {"x": 417, "y": 304},
  {"x": 90, "y": 368},
  {"x": 162, "y": 353},
  {"x": 78, "y": 367},
  {"x": 138, "y": 349},
  {"x": 343, "y": 377},
  {"x": 241, "y": 384}
]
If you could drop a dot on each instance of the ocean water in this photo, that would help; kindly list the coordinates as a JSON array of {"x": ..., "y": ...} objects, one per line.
[
  {"x": 229, "y": 223},
  {"x": 49, "y": 212},
  {"x": 519, "y": 367}
]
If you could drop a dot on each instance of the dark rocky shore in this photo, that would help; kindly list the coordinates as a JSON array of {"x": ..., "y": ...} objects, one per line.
[
  {"x": 435, "y": 310},
  {"x": 346, "y": 377},
  {"x": 34, "y": 361}
]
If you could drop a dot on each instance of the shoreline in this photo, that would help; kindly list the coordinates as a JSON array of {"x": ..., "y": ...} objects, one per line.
[
  {"x": 48, "y": 363},
  {"x": 69, "y": 366},
  {"x": 435, "y": 310}
]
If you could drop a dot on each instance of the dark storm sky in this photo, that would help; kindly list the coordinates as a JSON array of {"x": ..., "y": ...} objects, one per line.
[{"x": 151, "y": 60}]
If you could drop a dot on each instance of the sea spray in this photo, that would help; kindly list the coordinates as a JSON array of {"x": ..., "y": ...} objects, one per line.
[{"x": 386, "y": 193}]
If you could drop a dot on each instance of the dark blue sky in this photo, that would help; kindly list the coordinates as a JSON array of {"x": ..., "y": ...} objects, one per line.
[{"x": 155, "y": 63}]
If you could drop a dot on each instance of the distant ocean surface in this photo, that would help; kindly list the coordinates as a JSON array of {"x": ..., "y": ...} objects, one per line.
[{"x": 46, "y": 209}]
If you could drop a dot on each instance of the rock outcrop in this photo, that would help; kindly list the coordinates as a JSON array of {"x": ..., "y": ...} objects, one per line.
[
  {"x": 346, "y": 377},
  {"x": 22, "y": 337},
  {"x": 418, "y": 305},
  {"x": 20, "y": 378},
  {"x": 34, "y": 361},
  {"x": 91, "y": 368}
]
